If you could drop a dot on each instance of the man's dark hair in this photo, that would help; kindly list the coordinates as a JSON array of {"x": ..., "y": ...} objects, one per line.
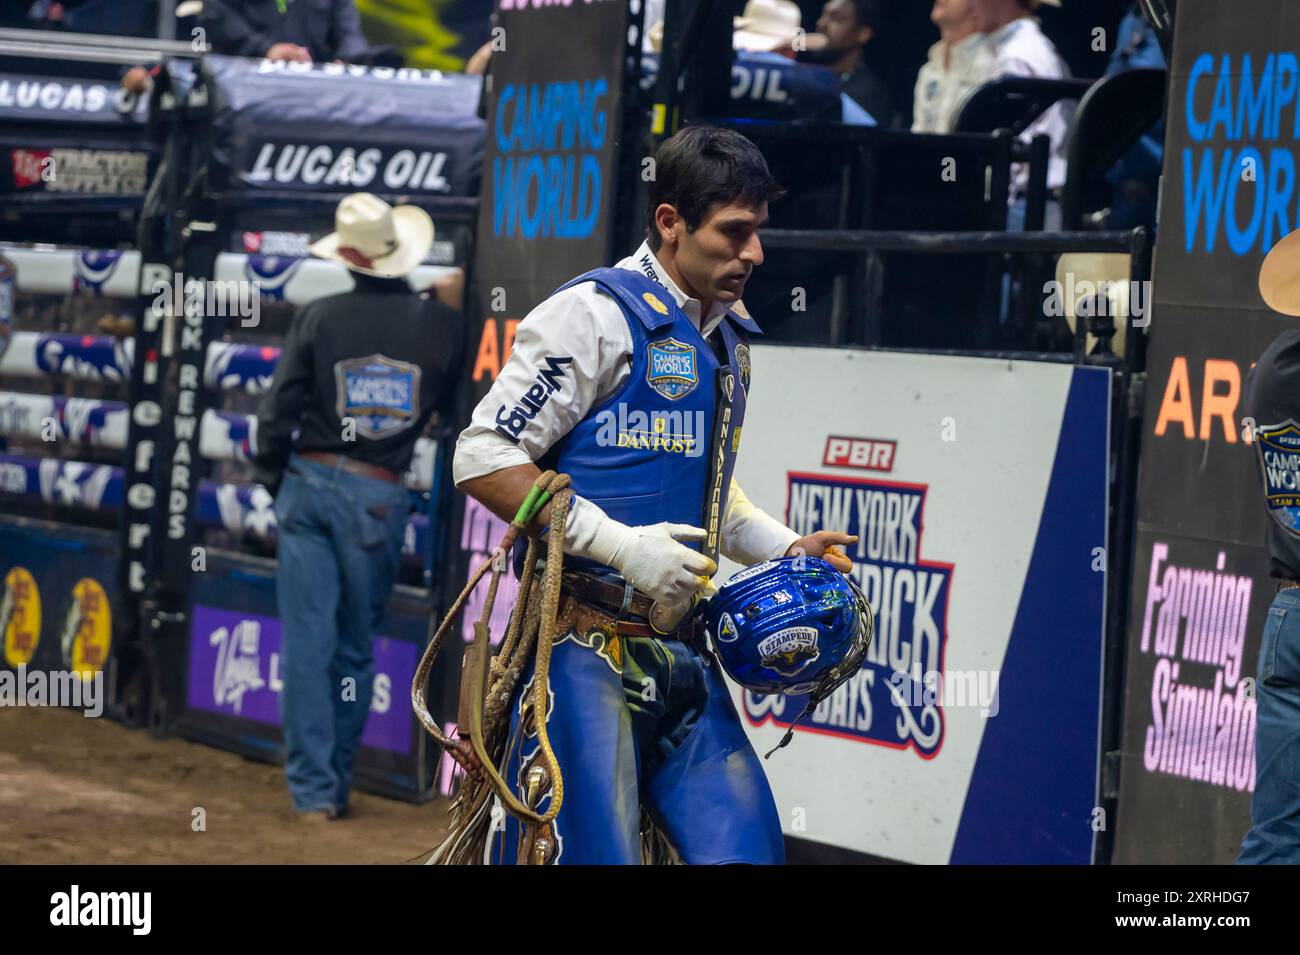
[
  {"x": 868, "y": 13},
  {"x": 703, "y": 165}
]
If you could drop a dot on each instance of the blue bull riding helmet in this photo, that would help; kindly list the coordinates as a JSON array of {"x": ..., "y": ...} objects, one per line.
[{"x": 793, "y": 625}]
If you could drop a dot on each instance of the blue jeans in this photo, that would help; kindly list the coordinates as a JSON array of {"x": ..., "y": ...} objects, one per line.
[
  {"x": 643, "y": 722},
  {"x": 1274, "y": 835},
  {"x": 340, "y": 541}
]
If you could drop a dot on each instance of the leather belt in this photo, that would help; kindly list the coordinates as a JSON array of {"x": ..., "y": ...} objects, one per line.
[
  {"x": 351, "y": 465},
  {"x": 613, "y": 599},
  {"x": 589, "y": 604},
  {"x": 1287, "y": 585}
]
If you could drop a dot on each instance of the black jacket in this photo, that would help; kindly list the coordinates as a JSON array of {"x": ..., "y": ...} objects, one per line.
[
  {"x": 330, "y": 29},
  {"x": 379, "y": 356},
  {"x": 1272, "y": 399}
]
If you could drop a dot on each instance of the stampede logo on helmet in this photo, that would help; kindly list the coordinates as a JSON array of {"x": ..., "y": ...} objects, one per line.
[{"x": 789, "y": 651}]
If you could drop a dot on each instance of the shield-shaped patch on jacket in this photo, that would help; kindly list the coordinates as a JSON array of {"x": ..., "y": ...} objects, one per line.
[{"x": 381, "y": 395}]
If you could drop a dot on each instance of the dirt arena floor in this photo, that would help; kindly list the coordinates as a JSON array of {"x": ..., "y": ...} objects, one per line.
[{"x": 88, "y": 791}]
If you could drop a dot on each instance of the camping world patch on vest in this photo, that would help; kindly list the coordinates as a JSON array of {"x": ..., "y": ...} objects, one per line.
[
  {"x": 381, "y": 395},
  {"x": 1278, "y": 447},
  {"x": 673, "y": 371}
]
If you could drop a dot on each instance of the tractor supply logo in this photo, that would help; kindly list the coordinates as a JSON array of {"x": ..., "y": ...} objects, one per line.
[
  {"x": 130, "y": 909},
  {"x": 669, "y": 431},
  {"x": 87, "y": 629},
  {"x": 788, "y": 651},
  {"x": 239, "y": 665},
  {"x": 380, "y": 394},
  {"x": 672, "y": 372},
  {"x": 909, "y": 597},
  {"x": 92, "y": 268},
  {"x": 277, "y": 244},
  {"x": 1202, "y": 718},
  {"x": 305, "y": 165},
  {"x": 20, "y": 617},
  {"x": 511, "y": 422},
  {"x": 1278, "y": 449},
  {"x": 99, "y": 172},
  {"x": 864, "y": 454}
]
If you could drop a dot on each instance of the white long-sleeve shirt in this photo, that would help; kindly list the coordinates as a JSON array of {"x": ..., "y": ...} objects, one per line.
[
  {"x": 1021, "y": 49},
  {"x": 941, "y": 89},
  {"x": 587, "y": 325}
]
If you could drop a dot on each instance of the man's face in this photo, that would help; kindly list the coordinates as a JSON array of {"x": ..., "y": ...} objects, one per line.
[
  {"x": 839, "y": 24},
  {"x": 949, "y": 13},
  {"x": 716, "y": 259}
]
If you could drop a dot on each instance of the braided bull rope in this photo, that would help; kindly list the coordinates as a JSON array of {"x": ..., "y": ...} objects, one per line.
[{"x": 489, "y": 682}]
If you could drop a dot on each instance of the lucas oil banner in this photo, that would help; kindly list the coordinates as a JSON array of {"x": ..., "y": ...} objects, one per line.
[
  {"x": 335, "y": 128},
  {"x": 978, "y": 491}
]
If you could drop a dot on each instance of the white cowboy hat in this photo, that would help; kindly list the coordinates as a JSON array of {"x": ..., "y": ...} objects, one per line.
[
  {"x": 768, "y": 25},
  {"x": 373, "y": 238},
  {"x": 1279, "y": 276}
]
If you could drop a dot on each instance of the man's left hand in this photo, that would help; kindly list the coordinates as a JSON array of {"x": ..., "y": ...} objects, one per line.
[{"x": 823, "y": 544}]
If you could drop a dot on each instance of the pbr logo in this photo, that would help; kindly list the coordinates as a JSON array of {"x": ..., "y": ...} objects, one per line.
[
  {"x": 380, "y": 394},
  {"x": 909, "y": 596},
  {"x": 673, "y": 372},
  {"x": 92, "y": 269},
  {"x": 1278, "y": 448},
  {"x": 727, "y": 629},
  {"x": 790, "y": 650}
]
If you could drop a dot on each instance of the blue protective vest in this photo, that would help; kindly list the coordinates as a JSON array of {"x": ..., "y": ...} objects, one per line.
[{"x": 663, "y": 447}]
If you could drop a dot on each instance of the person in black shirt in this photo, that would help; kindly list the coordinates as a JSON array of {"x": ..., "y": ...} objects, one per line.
[
  {"x": 304, "y": 31},
  {"x": 848, "y": 26},
  {"x": 1273, "y": 405},
  {"x": 357, "y": 379}
]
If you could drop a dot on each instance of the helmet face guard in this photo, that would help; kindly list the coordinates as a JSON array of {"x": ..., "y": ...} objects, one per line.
[{"x": 794, "y": 626}]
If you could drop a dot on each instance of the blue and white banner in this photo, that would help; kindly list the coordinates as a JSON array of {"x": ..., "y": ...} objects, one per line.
[{"x": 978, "y": 491}]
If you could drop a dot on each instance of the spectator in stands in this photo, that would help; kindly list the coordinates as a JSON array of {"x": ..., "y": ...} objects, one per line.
[
  {"x": 1020, "y": 48},
  {"x": 1136, "y": 177},
  {"x": 957, "y": 64},
  {"x": 357, "y": 379},
  {"x": 848, "y": 26},
  {"x": 303, "y": 31}
]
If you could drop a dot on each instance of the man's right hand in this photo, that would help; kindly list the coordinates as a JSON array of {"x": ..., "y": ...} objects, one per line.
[
  {"x": 289, "y": 51},
  {"x": 653, "y": 559}
]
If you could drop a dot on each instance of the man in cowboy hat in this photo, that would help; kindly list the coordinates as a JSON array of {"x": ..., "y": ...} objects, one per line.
[
  {"x": 357, "y": 378},
  {"x": 1272, "y": 403}
]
